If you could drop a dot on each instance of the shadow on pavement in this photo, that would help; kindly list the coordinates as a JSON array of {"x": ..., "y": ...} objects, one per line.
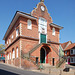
[{"x": 3, "y": 72}]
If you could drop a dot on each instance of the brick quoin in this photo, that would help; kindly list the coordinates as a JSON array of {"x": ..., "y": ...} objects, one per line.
[{"x": 29, "y": 38}]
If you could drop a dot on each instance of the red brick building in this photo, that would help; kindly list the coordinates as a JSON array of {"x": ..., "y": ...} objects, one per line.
[
  {"x": 33, "y": 36},
  {"x": 69, "y": 52}
]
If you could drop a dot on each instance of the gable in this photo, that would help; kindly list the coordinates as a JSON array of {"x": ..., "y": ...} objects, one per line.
[{"x": 41, "y": 11}]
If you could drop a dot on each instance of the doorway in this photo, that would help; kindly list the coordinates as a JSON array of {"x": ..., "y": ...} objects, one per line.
[
  {"x": 42, "y": 55},
  {"x": 53, "y": 59}
]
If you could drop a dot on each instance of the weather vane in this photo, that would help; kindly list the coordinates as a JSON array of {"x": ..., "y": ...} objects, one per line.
[{"x": 41, "y": 0}]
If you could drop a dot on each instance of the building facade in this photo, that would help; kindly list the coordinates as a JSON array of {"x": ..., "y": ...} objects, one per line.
[
  {"x": 33, "y": 36},
  {"x": 69, "y": 52},
  {"x": 62, "y": 47}
]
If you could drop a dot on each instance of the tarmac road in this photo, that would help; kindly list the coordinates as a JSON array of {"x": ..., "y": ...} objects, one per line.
[{"x": 8, "y": 70}]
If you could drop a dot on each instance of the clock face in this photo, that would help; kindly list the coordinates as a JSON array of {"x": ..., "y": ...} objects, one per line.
[{"x": 42, "y": 8}]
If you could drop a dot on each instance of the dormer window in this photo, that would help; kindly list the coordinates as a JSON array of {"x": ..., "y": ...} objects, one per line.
[
  {"x": 53, "y": 31},
  {"x": 29, "y": 26}
]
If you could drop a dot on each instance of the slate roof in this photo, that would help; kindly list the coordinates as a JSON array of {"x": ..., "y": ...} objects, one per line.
[
  {"x": 70, "y": 47},
  {"x": 17, "y": 14},
  {"x": 55, "y": 25},
  {"x": 63, "y": 45}
]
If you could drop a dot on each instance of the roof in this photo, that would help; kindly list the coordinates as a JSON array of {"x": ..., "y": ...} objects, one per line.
[
  {"x": 56, "y": 26},
  {"x": 70, "y": 47},
  {"x": 63, "y": 45},
  {"x": 16, "y": 16}
]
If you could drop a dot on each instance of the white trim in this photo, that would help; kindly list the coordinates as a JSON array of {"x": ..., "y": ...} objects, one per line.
[
  {"x": 17, "y": 32},
  {"x": 73, "y": 52},
  {"x": 73, "y": 60},
  {"x": 39, "y": 38},
  {"x": 20, "y": 29},
  {"x": 53, "y": 31},
  {"x": 46, "y": 38},
  {"x": 42, "y": 24},
  {"x": 29, "y": 24}
]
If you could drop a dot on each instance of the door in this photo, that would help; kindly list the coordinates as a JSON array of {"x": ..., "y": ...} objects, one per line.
[
  {"x": 42, "y": 55},
  {"x": 42, "y": 38},
  {"x": 53, "y": 61}
]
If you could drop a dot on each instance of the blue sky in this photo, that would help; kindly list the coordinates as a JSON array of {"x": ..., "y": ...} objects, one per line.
[{"x": 61, "y": 11}]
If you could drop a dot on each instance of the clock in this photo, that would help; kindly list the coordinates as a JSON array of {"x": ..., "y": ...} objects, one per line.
[{"x": 42, "y": 8}]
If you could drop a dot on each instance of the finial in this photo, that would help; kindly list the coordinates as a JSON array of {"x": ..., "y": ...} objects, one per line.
[{"x": 41, "y": 0}]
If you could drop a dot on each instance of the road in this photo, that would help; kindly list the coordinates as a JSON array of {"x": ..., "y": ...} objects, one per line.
[{"x": 8, "y": 70}]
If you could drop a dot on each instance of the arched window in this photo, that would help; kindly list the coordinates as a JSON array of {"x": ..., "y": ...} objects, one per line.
[
  {"x": 29, "y": 26},
  {"x": 53, "y": 31}
]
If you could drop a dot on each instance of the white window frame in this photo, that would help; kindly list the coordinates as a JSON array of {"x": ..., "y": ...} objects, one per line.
[
  {"x": 73, "y": 51},
  {"x": 17, "y": 52},
  {"x": 29, "y": 24},
  {"x": 17, "y": 32},
  {"x": 53, "y": 31},
  {"x": 73, "y": 60}
]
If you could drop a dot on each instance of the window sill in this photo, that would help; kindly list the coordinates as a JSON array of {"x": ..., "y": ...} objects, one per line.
[
  {"x": 53, "y": 35},
  {"x": 29, "y": 29},
  {"x": 72, "y": 54}
]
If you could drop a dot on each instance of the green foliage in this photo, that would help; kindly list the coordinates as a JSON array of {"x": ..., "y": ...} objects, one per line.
[{"x": 2, "y": 48}]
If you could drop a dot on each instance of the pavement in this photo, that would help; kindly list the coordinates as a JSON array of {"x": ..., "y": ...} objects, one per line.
[{"x": 9, "y": 70}]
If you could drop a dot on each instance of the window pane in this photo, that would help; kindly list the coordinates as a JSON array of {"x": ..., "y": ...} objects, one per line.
[
  {"x": 29, "y": 24},
  {"x": 71, "y": 51},
  {"x": 53, "y": 31}
]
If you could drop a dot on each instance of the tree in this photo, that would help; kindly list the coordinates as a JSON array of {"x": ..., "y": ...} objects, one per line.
[{"x": 2, "y": 48}]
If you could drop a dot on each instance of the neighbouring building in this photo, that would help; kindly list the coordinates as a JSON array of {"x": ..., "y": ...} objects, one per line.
[
  {"x": 62, "y": 47},
  {"x": 69, "y": 52},
  {"x": 32, "y": 38}
]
